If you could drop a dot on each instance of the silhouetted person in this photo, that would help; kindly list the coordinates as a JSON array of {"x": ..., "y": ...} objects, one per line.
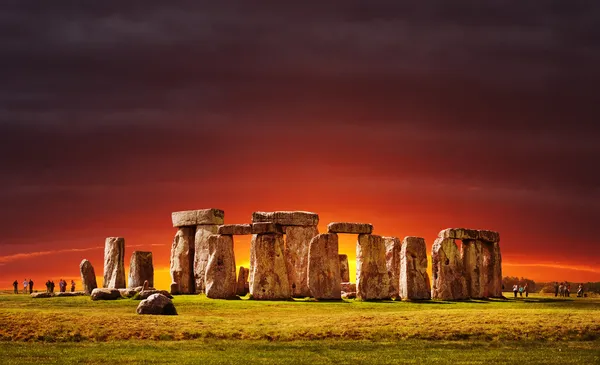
[
  {"x": 48, "y": 286},
  {"x": 580, "y": 291},
  {"x": 30, "y": 286},
  {"x": 556, "y": 288},
  {"x": 16, "y": 286},
  {"x": 72, "y": 286},
  {"x": 25, "y": 283},
  {"x": 561, "y": 290},
  {"x": 526, "y": 289},
  {"x": 52, "y": 286}
]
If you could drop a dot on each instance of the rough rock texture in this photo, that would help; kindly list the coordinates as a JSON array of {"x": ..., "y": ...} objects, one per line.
[
  {"x": 393, "y": 246},
  {"x": 174, "y": 289},
  {"x": 114, "y": 263},
  {"x": 128, "y": 293},
  {"x": 220, "y": 270},
  {"x": 447, "y": 270},
  {"x": 489, "y": 236},
  {"x": 190, "y": 218},
  {"x": 491, "y": 278},
  {"x": 352, "y": 228},
  {"x": 235, "y": 229},
  {"x": 242, "y": 282},
  {"x": 297, "y": 244},
  {"x": 344, "y": 269},
  {"x": 348, "y": 287},
  {"x": 182, "y": 260},
  {"x": 145, "y": 294},
  {"x": 292, "y": 218},
  {"x": 268, "y": 272},
  {"x": 203, "y": 232},
  {"x": 266, "y": 227},
  {"x": 42, "y": 294},
  {"x": 324, "y": 267},
  {"x": 349, "y": 295},
  {"x": 156, "y": 304},
  {"x": 141, "y": 269},
  {"x": 459, "y": 234},
  {"x": 414, "y": 280},
  {"x": 472, "y": 260},
  {"x": 372, "y": 279},
  {"x": 105, "y": 294},
  {"x": 88, "y": 276}
]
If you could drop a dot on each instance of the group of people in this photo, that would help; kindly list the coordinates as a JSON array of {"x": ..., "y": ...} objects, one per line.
[
  {"x": 564, "y": 289},
  {"x": 62, "y": 285},
  {"x": 520, "y": 289}
]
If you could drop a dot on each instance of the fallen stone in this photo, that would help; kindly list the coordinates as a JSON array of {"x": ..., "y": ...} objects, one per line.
[
  {"x": 268, "y": 275},
  {"x": 287, "y": 218},
  {"x": 145, "y": 294},
  {"x": 266, "y": 227},
  {"x": 348, "y": 287},
  {"x": 182, "y": 260},
  {"x": 105, "y": 294},
  {"x": 459, "y": 234},
  {"x": 372, "y": 279},
  {"x": 324, "y": 267},
  {"x": 191, "y": 218},
  {"x": 242, "y": 282},
  {"x": 220, "y": 270},
  {"x": 141, "y": 270},
  {"x": 235, "y": 229},
  {"x": 114, "y": 263},
  {"x": 156, "y": 304},
  {"x": 297, "y": 245},
  {"x": 393, "y": 246},
  {"x": 414, "y": 280},
  {"x": 448, "y": 271},
  {"x": 203, "y": 232},
  {"x": 88, "y": 276},
  {"x": 352, "y": 228},
  {"x": 344, "y": 269},
  {"x": 128, "y": 293},
  {"x": 42, "y": 294},
  {"x": 349, "y": 295}
]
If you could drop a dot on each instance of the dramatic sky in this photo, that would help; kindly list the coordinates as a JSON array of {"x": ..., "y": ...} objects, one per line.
[{"x": 414, "y": 117}]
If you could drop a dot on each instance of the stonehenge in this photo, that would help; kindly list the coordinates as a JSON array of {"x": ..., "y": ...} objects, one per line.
[
  {"x": 88, "y": 276},
  {"x": 352, "y": 228},
  {"x": 220, "y": 280},
  {"x": 268, "y": 269},
  {"x": 141, "y": 269},
  {"x": 393, "y": 246},
  {"x": 114, "y": 263},
  {"x": 344, "y": 268},
  {"x": 182, "y": 260},
  {"x": 243, "y": 286},
  {"x": 372, "y": 279},
  {"x": 156, "y": 304},
  {"x": 324, "y": 279},
  {"x": 414, "y": 280}
]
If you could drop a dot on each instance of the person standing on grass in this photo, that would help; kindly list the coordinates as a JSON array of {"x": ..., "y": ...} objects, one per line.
[
  {"x": 515, "y": 289},
  {"x": 526, "y": 289},
  {"x": 16, "y": 286},
  {"x": 51, "y": 286},
  {"x": 556, "y": 288},
  {"x": 568, "y": 290},
  {"x": 30, "y": 286},
  {"x": 561, "y": 290},
  {"x": 72, "y": 285},
  {"x": 580, "y": 291},
  {"x": 521, "y": 291},
  {"x": 25, "y": 283}
]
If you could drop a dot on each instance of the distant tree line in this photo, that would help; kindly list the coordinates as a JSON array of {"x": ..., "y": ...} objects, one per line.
[{"x": 547, "y": 287}]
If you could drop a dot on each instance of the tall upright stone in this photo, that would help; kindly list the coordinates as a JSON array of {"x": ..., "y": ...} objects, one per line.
[
  {"x": 114, "y": 263},
  {"x": 88, "y": 276},
  {"x": 324, "y": 278},
  {"x": 472, "y": 259},
  {"x": 182, "y": 261},
  {"x": 372, "y": 279},
  {"x": 344, "y": 268},
  {"x": 141, "y": 269},
  {"x": 414, "y": 280},
  {"x": 201, "y": 254},
  {"x": 242, "y": 282},
  {"x": 393, "y": 246},
  {"x": 297, "y": 245},
  {"x": 220, "y": 269},
  {"x": 491, "y": 269},
  {"x": 268, "y": 272},
  {"x": 448, "y": 272}
]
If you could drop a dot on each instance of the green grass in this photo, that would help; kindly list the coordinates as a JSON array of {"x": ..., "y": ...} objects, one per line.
[{"x": 75, "y": 329}]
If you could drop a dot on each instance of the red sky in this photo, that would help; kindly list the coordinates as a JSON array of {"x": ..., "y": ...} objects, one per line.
[{"x": 412, "y": 117}]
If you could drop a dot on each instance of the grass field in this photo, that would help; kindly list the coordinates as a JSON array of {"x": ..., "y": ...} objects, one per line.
[{"x": 77, "y": 330}]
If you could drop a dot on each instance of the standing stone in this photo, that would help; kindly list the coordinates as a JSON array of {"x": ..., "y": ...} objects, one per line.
[
  {"x": 268, "y": 275},
  {"x": 472, "y": 259},
  {"x": 393, "y": 246},
  {"x": 372, "y": 279},
  {"x": 141, "y": 270},
  {"x": 182, "y": 264},
  {"x": 297, "y": 244},
  {"x": 324, "y": 267},
  {"x": 414, "y": 280},
  {"x": 448, "y": 272},
  {"x": 344, "y": 269},
  {"x": 203, "y": 232},
  {"x": 220, "y": 269},
  {"x": 88, "y": 276},
  {"x": 114, "y": 263},
  {"x": 491, "y": 280},
  {"x": 242, "y": 281}
]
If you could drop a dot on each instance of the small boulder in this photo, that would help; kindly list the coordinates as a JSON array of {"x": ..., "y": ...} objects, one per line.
[
  {"x": 127, "y": 293},
  {"x": 42, "y": 294},
  {"x": 157, "y": 304},
  {"x": 105, "y": 294},
  {"x": 145, "y": 294}
]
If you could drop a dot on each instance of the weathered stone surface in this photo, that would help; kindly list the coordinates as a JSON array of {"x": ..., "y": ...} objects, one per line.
[
  {"x": 128, "y": 293},
  {"x": 145, "y": 294},
  {"x": 105, "y": 294},
  {"x": 349, "y": 295},
  {"x": 182, "y": 260},
  {"x": 42, "y": 294},
  {"x": 268, "y": 272},
  {"x": 459, "y": 234},
  {"x": 372, "y": 279},
  {"x": 190, "y": 218},
  {"x": 266, "y": 227},
  {"x": 489, "y": 236},
  {"x": 448, "y": 271},
  {"x": 235, "y": 229},
  {"x": 141, "y": 269},
  {"x": 324, "y": 267},
  {"x": 88, "y": 276},
  {"x": 344, "y": 269},
  {"x": 491, "y": 280},
  {"x": 220, "y": 270},
  {"x": 156, "y": 304},
  {"x": 348, "y": 287},
  {"x": 174, "y": 289},
  {"x": 287, "y": 218},
  {"x": 414, "y": 280},
  {"x": 352, "y": 228},
  {"x": 114, "y": 263},
  {"x": 242, "y": 282},
  {"x": 297, "y": 244},
  {"x": 472, "y": 259},
  {"x": 203, "y": 232},
  {"x": 393, "y": 246}
]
